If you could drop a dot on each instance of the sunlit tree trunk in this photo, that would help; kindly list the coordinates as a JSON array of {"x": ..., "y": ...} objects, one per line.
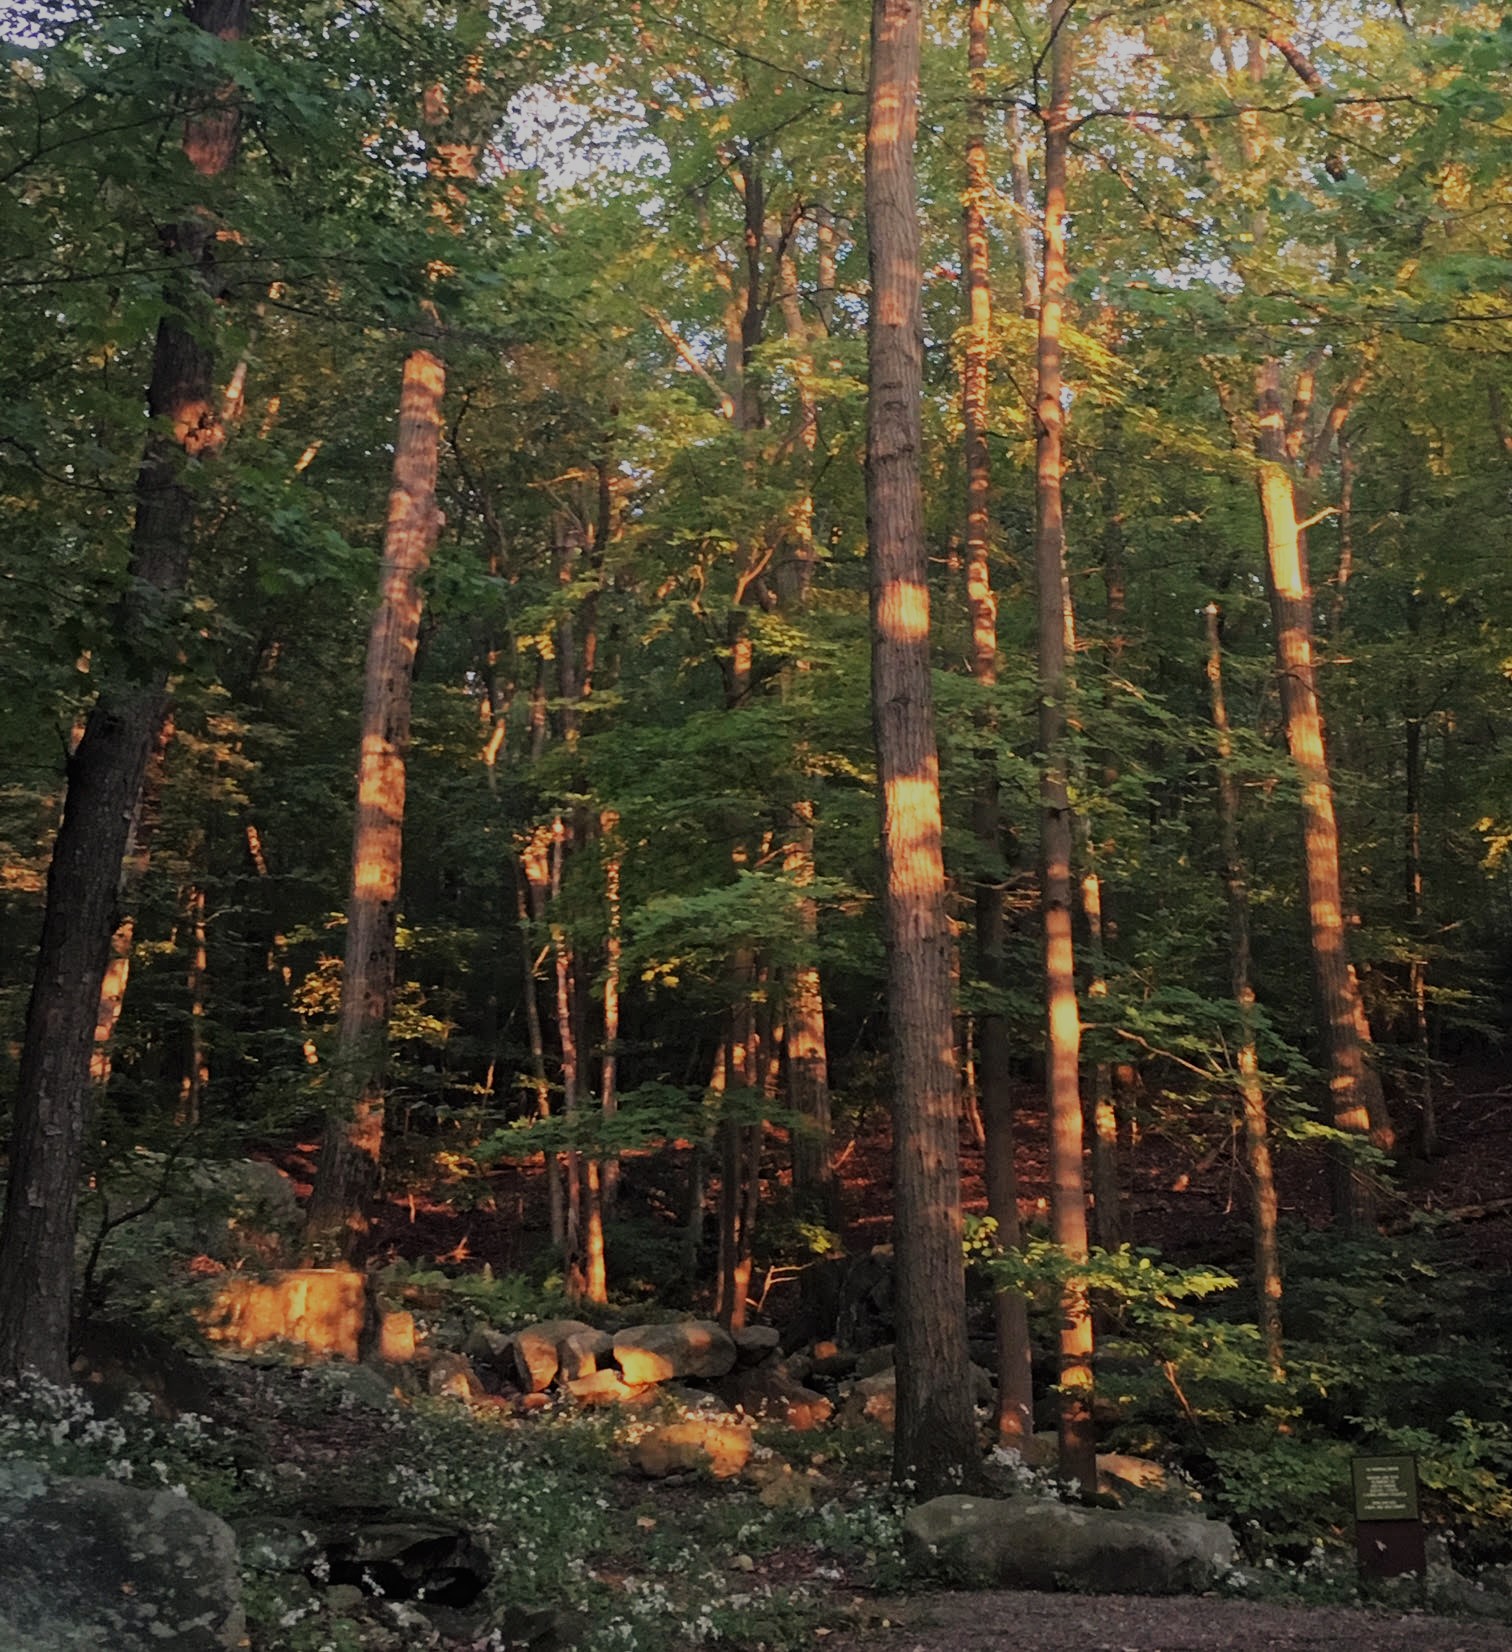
[
  {"x": 1351, "y": 1080},
  {"x": 347, "y": 1176},
  {"x": 1267, "y": 1251},
  {"x": 197, "y": 1061},
  {"x": 815, "y": 1188},
  {"x": 532, "y": 875},
  {"x": 105, "y": 772},
  {"x": 138, "y": 859},
  {"x": 571, "y": 1067},
  {"x": 613, "y": 950},
  {"x": 934, "y": 1444},
  {"x": 1015, "y": 1397},
  {"x": 1068, "y": 1199}
]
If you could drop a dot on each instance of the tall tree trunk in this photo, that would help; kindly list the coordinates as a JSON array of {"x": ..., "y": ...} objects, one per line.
[
  {"x": 197, "y": 1060},
  {"x": 1427, "y": 1121},
  {"x": 613, "y": 947},
  {"x": 1068, "y": 1199},
  {"x": 815, "y": 1188},
  {"x": 1354, "y": 1088},
  {"x": 1267, "y": 1251},
  {"x": 347, "y": 1176},
  {"x": 138, "y": 859},
  {"x": 1015, "y": 1395},
  {"x": 106, "y": 770},
  {"x": 934, "y": 1444},
  {"x": 532, "y": 875},
  {"x": 571, "y": 1067}
]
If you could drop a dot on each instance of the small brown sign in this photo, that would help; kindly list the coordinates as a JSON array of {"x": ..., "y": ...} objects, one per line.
[{"x": 1385, "y": 1488}]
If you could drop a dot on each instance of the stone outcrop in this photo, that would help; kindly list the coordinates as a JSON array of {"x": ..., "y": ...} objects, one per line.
[
  {"x": 88, "y": 1564},
  {"x": 769, "y": 1394},
  {"x": 1026, "y": 1543},
  {"x": 582, "y": 1353},
  {"x": 722, "y": 1448},
  {"x": 663, "y": 1353},
  {"x": 319, "y": 1311},
  {"x": 537, "y": 1351}
]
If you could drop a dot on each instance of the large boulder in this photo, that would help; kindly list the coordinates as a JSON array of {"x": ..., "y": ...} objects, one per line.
[
  {"x": 321, "y": 1312},
  {"x": 581, "y": 1352},
  {"x": 537, "y": 1351},
  {"x": 770, "y": 1394},
  {"x": 721, "y": 1448},
  {"x": 754, "y": 1344},
  {"x": 662, "y": 1353},
  {"x": 92, "y": 1564},
  {"x": 1024, "y": 1543}
]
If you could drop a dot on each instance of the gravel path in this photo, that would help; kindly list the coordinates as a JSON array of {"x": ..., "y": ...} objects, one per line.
[{"x": 1005, "y": 1622}]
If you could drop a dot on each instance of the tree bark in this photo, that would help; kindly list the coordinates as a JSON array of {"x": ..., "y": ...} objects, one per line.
[
  {"x": 1267, "y": 1251},
  {"x": 934, "y": 1444},
  {"x": 138, "y": 860},
  {"x": 1063, "y": 1021},
  {"x": 347, "y": 1176},
  {"x": 1015, "y": 1395},
  {"x": 1354, "y": 1089},
  {"x": 106, "y": 770}
]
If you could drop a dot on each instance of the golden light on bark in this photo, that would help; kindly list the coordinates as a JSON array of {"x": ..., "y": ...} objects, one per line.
[{"x": 903, "y": 612}]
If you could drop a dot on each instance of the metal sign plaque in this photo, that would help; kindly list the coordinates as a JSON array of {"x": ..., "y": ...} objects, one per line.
[{"x": 1385, "y": 1488}]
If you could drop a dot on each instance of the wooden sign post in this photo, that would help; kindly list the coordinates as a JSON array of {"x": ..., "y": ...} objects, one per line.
[{"x": 1388, "y": 1527}]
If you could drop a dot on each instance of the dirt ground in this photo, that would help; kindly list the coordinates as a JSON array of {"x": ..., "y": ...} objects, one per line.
[{"x": 1006, "y": 1622}]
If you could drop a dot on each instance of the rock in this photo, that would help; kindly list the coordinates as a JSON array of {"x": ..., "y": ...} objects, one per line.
[
  {"x": 609, "y": 1388},
  {"x": 1025, "y": 1543},
  {"x": 343, "y": 1598},
  {"x": 119, "y": 1358},
  {"x": 722, "y": 1448},
  {"x": 88, "y": 1564},
  {"x": 769, "y": 1394},
  {"x": 829, "y": 1359},
  {"x": 756, "y": 1343},
  {"x": 536, "y": 1351},
  {"x": 875, "y": 1361},
  {"x": 414, "y": 1558},
  {"x": 1041, "y": 1450},
  {"x": 451, "y": 1376},
  {"x": 581, "y": 1352},
  {"x": 864, "y": 1314},
  {"x": 786, "y": 1491},
  {"x": 486, "y": 1346},
  {"x": 873, "y": 1400},
  {"x": 275, "y": 1543},
  {"x": 362, "y": 1385},
  {"x": 688, "y": 1348},
  {"x": 396, "y": 1338},
  {"x": 1116, "y": 1471},
  {"x": 321, "y": 1311}
]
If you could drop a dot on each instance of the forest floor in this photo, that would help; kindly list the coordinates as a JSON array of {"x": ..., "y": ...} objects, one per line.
[
  {"x": 1008, "y": 1622},
  {"x": 1185, "y": 1198}
]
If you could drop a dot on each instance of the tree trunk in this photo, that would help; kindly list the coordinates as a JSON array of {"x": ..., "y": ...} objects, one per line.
[
  {"x": 934, "y": 1444},
  {"x": 1267, "y": 1252},
  {"x": 1063, "y": 1021},
  {"x": 197, "y": 1061},
  {"x": 1353, "y": 1087},
  {"x": 1427, "y": 1120},
  {"x": 138, "y": 860},
  {"x": 613, "y": 945},
  {"x": 1015, "y": 1406},
  {"x": 105, "y": 774},
  {"x": 347, "y": 1176},
  {"x": 531, "y": 874},
  {"x": 815, "y": 1188}
]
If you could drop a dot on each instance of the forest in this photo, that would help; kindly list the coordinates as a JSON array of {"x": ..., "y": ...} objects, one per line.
[{"x": 822, "y": 681}]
